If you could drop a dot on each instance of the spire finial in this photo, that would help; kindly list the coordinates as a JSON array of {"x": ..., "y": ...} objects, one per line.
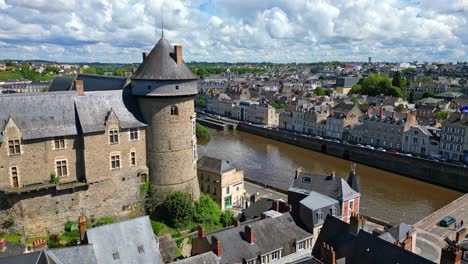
[
  {"x": 353, "y": 167},
  {"x": 162, "y": 25}
]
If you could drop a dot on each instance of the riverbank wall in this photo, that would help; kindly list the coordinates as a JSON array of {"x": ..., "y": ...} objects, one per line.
[{"x": 443, "y": 174}]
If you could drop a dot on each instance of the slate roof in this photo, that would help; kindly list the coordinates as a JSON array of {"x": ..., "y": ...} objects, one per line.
[
  {"x": 343, "y": 108},
  {"x": 214, "y": 165},
  {"x": 315, "y": 201},
  {"x": 399, "y": 231},
  {"x": 45, "y": 115},
  {"x": 101, "y": 83},
  {"x": 160, "y": 64},
  {"x": 72, "y": 255},
  {"x": 353, "y": 181},
  {"x": 205, "y": 258},
  {"x": 30, "y": 258},
  {"x": 346, "y": 81},
  {"x": 256, "y": 209},
  {"x": 125, "y": 238},
  {"x": 61, "y": 84},
  {"x": 12, "y": 249},
  {"x": 269, "y": 234},
  {"x": 363, "y": 248},
  {"x": 334, "y": 187}
]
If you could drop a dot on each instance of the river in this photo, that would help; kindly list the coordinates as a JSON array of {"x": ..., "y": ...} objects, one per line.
[{"x": 384, "y": 195}]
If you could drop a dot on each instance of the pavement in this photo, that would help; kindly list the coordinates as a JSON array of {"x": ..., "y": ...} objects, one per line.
[{"x": 265, "y": 192}]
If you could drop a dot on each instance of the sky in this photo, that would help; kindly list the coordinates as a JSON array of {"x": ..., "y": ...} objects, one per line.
[{"x": 236, "y": 30}]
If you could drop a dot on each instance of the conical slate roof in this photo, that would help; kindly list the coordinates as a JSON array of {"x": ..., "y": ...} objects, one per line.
[{"x": 160, "y": 64}]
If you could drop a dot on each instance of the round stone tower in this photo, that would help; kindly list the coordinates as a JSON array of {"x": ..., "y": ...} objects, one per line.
[{"x": 165, "y": 89}]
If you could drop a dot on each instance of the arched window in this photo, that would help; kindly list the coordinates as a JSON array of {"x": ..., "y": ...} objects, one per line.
[{"x": 174, "y": 110}]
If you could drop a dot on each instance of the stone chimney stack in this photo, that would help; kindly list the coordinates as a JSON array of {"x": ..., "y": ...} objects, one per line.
[
  {"x": 356, "y": 223},
  {"x": 79, "y": 87},
  {"x": 408, "y": 242},
  {"x": 39, "y": 245},
  {"x": 249, "y": 234},
  {"x": 333, "y": 174},
  {"x": 201, "y": 232},
  {"x": 216, "y": 246},
  {"x": 80, "y": 70},
  {"x": 461, "y": 234},
  {"x": 394, "y": 115},
  {"x": 276, "y": 205},
  {"x": 178, "y": 54},
  {"x": 328, "y": 254},
  {"x": 451, "y": 255},
  {"x": 82, "y": 225},
  {"x": 298, "y": 171},
  {"x": 408, "y": 116},
  {"x": 2, "y": 245},
  {"x": 144, "y": 54}
]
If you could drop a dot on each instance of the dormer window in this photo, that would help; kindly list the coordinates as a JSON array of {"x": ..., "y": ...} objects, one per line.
[
  {"x": 14, "y": 147},
  {"x": 174, "y": 110},
  {"x": 113, "y": 137}
]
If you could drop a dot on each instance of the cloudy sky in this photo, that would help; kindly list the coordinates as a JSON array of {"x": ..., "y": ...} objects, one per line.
[{"x": 236, "y": 30}]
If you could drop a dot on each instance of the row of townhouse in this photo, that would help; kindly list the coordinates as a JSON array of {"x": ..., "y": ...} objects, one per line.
[{"x": 380, "y": 128}]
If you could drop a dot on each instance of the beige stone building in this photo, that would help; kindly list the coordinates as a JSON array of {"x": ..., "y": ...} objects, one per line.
[
  {"x": 67, "y": 153},
  {"x": 222, "y": 181}
]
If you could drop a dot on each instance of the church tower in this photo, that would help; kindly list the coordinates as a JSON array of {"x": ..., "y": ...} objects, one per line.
[{"x": 165, "y": 89}]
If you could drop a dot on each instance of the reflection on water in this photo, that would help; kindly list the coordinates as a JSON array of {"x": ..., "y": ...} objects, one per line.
[{"x": 384, "y": 195}]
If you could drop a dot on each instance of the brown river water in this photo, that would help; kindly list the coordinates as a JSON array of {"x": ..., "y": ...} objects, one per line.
[{"x": 385, "y": 195}]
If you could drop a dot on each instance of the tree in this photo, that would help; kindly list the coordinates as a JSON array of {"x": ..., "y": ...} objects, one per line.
[
  {"x": 119, "y": 72},
  {"x": 357, "y": 89},
  {"x": 400, "y": 108},
  {"x": 200, "y": 102},
  {"x": 202, "y": 132},
  {"x": 206, "y": 209},
  {"x": 10, "y": 64},
  {"x": 178, "y": 209},
  {"x": 428, "y": 94},
  {"x": 90, "y": 70},
  {"x": 425, "y": 79},
  {"x": 227, "y": 218},
  {"x": 398, "y": 80},
  {"x": 411, "y": 97},
  {"x": 319, "y": 91}
]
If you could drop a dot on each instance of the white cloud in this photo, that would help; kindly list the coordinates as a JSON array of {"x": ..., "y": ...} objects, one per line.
[{"x": 236, "y": 30}]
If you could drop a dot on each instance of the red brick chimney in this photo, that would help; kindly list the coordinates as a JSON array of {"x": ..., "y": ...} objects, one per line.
[
  {"x": 408, "y": 242},
  {"x": 144, "y": 54},
  {"x": 216, "y": 246},
  {"x": 408, "y": 116},
  {"x": 39, "y": 245},
  {"x": 288, "y": 208},
  {"x": 201, "y": 232},
  {"x": 79, "y": 87},
  {"x": 178, "y": 54},
  {"x": 356, "y": 222},
  {"x": 276, "y": 205},
  {"x": 415, "y": 114},
  {"x": 82, "y": 225},
  {"x": 80, "y": 70},
  {"x": 451, "y": 255},
  {"x": 2, "y": 245},
  {"x": 461, "y": 234},
  {"x": 328, "y": 254},
  {"x": 249, "y": 234},
  {"x": 394, "y": 115},
  {"x": 369, "y": 111}
]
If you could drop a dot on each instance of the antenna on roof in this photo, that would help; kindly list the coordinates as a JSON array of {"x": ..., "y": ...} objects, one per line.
[{"x": 162, "y": 23}]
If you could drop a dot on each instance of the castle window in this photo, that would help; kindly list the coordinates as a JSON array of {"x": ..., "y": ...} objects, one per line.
[
  {"x": 61, "y": 167},
  {"x": 14, "y": 147},
  {"x": 133, "y": 158},
  {"x": 14, "y": 176},
  {"x": 114, "y": 137},
  {"x": 133, "y": 134},
  {"x": 59, "y": 143},
  {"x": 115, "y": 162},
  {"x": 174, "y": 110}
]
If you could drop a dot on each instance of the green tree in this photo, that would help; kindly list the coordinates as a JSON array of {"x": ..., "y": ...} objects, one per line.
[
  {"x": 357, "y": 89},
  {"x": 200, "y": 102},
  {"x": 411, "y": 97},
  {"x": 400, "y": 108},
  {"x": 227, "y": 218},
  {"x": 90, "y": 70},
  {"x": 119, "y": 72},
  {"x": 398, "y": 80},
  {"x": 178, "y": 209},
  {"x": 319, "y": 91},
  {"x": 428, "y": 94},
  {"x": 202, "y": 132},
  {"x": 10, "y": 64},
  {"x": 425, "y": 79},
  {"x": 206, "y": 209},
  {"x": 441, "y": 115}
]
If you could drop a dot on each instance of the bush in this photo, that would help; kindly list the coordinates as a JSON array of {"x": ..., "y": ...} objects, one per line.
[
  {"x": 53, "y": 244},
  {"x": 206, "y": 209},
  {"x": 104, "y": 221},
  {"x": 54, "y": 178},
  {"x": 8, "y": 223},
  {"x": 157, "y": 227},
  {"x": 227, "y": 218},
  {"x": 202, "y": 132},
  {"x": 177, "y": 209},
  {"x": 70, "y": 225}
]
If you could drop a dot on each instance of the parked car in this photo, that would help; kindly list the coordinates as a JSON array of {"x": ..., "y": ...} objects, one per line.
[
  {"x": 346, "y": 143},
  {"x": 407, "y": 154},
  {"x": 359, "y": 145},
  {"x": 381, "y": 149},
  {"x": 369, "y": 147},
  {"x": 218, "y": 116},
  {"x": 275, "y": 128},
  {"x": 394, "y": 151},
  {"x": 318, "y": 137},
  {"x": 447, "y": 221}
]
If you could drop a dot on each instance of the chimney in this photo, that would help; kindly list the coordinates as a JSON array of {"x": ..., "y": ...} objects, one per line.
[
  {"x": 288, "y": 208},
  {"x": 79, "y": 87},
  {"x": 460, "y": 236},
  {"x": 332, "y": 174},
  {"x": 415, "y": 113},
  {"x": 80, "y": 70},
  {"x": 249, "y": 234},
  {"x": 369, "y": 111},
  {"x": 2, "y": 245},
  {"x": 39, "y": 245},
  {"x": 276, "y": 205},
  {"x": 328, "y": 254},
  {"x": 82, "y": 227},
  {"x": 394, "y": 115},
  {"x": 134, "y": 70},
  {"x": 356, "y": 222},
  {"x": 451, "y": 255},
  {"x": 298, "y": 171},
  {"x": 382, "y": 112},
  {"x": 178, "y": 54},
  {"x": 201, "y": 232},
  {"x": 144, "y": 54},
  {"x": 408, "y": 242},
  {"x": 216, "y": 246}
]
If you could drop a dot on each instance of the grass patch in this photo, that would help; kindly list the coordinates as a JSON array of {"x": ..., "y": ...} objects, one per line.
[{"x": 10, "y": 75}]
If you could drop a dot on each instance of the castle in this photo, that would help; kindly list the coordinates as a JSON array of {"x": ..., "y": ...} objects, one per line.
[{"x": 89, "y": 150}]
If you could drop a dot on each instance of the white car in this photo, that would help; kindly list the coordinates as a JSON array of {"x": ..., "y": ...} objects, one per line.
[
  {"x": 369, "y": 147},
  {"x": 317, "y": 137},
  {"x": 381, "y": 149},
  {"x": 359, "y": 145}
]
